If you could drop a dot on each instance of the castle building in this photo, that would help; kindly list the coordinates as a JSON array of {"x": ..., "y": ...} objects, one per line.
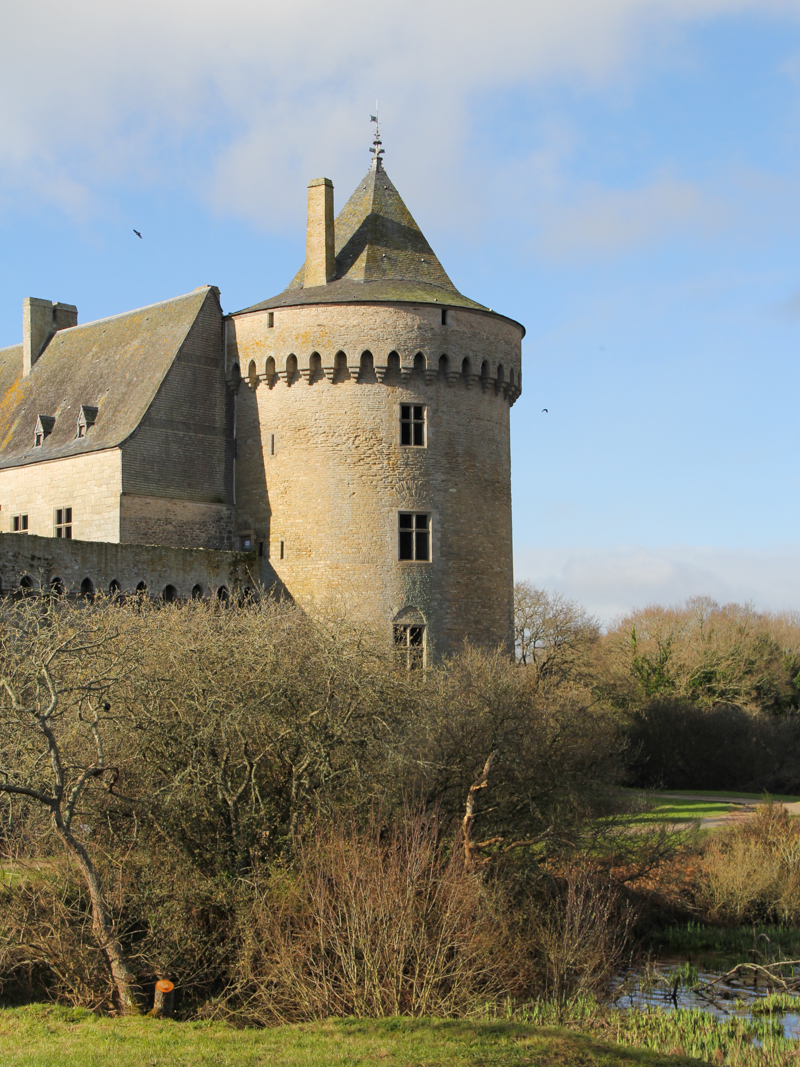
[{"x": 347, "y": 439}]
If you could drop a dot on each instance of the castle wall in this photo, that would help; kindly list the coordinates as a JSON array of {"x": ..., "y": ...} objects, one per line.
[
  {"x": 90, "y": 484},
  {"x": 43, "y": 559},
  {"x": 183, "y": 447},
  {"x": 321, "y": 475},
  {"x": 147, "y": 520}
]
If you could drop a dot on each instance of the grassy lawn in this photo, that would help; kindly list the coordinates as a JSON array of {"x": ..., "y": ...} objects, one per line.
[
  {"x": 44, "y": 1036},
  {"x": 729, "y": 793},
  {"x": 671, "y": 811}
]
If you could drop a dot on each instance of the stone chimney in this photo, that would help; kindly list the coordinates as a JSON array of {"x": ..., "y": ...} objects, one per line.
[
  {"x": 320, "y": 246},
  {"x": 40, "y": 320}
]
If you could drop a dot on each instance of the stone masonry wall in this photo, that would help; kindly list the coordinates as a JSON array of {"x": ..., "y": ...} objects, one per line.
[
  {"x": 183, "y": 448},
  {"x": 321, "y": 475},
  {"x": 43, "y": 559},
  {"x": 89, "y": 484},
  {"x": 159, "y": 521}
]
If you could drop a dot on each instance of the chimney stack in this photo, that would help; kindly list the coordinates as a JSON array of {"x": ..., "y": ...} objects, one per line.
[
  {"x": 40, "y": 320},
  {"x": 320, "y": 245}
]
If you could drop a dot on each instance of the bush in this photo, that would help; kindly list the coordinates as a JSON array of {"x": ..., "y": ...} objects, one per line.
[{"x": 751, "y": 873}]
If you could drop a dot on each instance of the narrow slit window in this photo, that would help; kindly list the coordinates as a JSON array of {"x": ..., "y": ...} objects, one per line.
[
  {"x": 19, "y": 524},
  {"x": 281, "y": 549},
  {"x": 270, "y": 319},
  {"x": 414, "y": 530},
  {"x": 412, "y": 425},
  {"x": 272, "y": 444},
  {"x": 444, "y": 316},
  {"x": 63, "y": 523}
]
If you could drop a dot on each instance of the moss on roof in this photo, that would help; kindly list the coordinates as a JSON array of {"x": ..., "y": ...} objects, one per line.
[
  {"x": 116, "y": 365},
  {"x": 381, "y": 255}
]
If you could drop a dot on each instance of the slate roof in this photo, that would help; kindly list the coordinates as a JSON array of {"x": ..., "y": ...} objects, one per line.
[
  {"x": 381, "y": 255},
  {"x": 115, "y": 365}
]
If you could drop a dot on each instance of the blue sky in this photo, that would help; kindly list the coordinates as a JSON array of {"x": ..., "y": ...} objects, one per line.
[{"x": 620, "y": 175}]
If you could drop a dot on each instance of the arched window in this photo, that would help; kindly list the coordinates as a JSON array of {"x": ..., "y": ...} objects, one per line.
[
  {"x": 87, "y": 589},
  {"x": 114, "y": 589},
  {"x": 197, "y": 592},
  {"x": 57, "y": 587},
  {"x": 252, "y": 374},
  {"x": 269, "y": 371},
  {"x": 511, "y": 378},
  {"x": 444, "y": 366},
  {"x": 170, "y": 594},
  {"x": 141, "y": 589},
  {"x": 366, "y": 372},
  {"x": 466, "y": 368},
  {"x": 409, "y": 633},
  {"x": 292, "y": 374},
  {"x": 223, "y": 596},
  {"x": 340, "y": 370},
  {"x": 500, "y": 377},
  {"x": 315, "y": 368},
  {"x": 236, "y": 375},
  {"x": 485, "y": 371},
  {"x": 420, "y": 363}
]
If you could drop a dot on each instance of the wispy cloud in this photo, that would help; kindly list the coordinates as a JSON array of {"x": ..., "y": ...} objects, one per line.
[
  {"x": 96, "y": 93},
  {"x": 609, "y": 221},
  {"x": 612, "y": 581}
]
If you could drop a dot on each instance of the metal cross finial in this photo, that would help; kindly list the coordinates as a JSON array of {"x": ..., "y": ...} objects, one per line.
[{"x": 376, "y": 149}]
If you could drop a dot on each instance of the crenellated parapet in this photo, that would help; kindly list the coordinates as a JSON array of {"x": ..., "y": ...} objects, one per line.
[
  {"x": 390, "y": 345},
  {"x": 489, "y": 377}
]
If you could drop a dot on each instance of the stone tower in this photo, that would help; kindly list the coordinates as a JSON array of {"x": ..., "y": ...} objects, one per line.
[{"x": 372, "y": 425}]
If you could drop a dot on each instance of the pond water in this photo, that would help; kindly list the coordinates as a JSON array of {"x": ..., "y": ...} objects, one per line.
[{"x": 670, "y": 983}]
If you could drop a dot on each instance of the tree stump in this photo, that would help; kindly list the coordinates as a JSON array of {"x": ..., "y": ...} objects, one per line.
[{"x": 162, "y": 1004}]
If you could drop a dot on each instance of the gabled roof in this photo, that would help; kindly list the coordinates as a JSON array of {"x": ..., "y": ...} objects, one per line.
[
  {"x": 115, "y": 365},
  {"x": 381, "y": 255}
]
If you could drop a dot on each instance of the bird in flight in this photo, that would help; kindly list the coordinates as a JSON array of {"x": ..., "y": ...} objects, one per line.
[
  {"x": 138, "y": 234},
  {"x": 544, "y": 411}
]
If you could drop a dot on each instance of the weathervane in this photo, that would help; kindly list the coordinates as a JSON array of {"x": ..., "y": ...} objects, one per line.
[{"x": 376, "y": 149}]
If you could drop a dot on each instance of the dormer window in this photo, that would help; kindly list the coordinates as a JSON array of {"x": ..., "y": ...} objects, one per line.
[
  {"x": 44, "y": 427},
  {"x": 86, "y": 419}
]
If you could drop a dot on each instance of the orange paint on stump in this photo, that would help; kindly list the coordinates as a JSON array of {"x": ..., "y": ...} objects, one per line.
[{"x": 163, "y": 985}]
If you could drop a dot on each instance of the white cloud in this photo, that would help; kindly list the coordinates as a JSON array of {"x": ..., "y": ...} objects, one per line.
[
  {"x": 610, "y": 582},
  {"x": 609, "y": 221},
  {"x": 97, "y": 92}
]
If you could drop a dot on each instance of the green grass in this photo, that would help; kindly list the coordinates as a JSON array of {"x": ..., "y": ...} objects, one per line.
[
  {"x": 39, "y": 1036},
  {"x": 694, "y": 939},
  {"x": 679, "y": 811},
  {"x": 727, "y": 793}
]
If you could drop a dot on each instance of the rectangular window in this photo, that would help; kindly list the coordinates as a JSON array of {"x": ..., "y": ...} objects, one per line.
[
  {"x": 410, "y": 642},
  {"x": 414, "y": 536},
  {"x": 270, "y": 319},
  {"x": 63, "y": 522},
  {"x": 38, "y": 440},
  {"x": 19, "y": 524},
  {"x": 81, "y": 429},
  {"x": 444, "y": 316},
  {"x": 281, "y": 549},
  {"x": 412, "y": 425}
]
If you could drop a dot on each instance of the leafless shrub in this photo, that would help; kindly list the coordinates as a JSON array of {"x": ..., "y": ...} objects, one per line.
[
  {"x": 582, "y": 933},
  {"x": 47, "y": 948},
  {"x": 375, "y": 923},
  {"x": 752, "y": 872}
]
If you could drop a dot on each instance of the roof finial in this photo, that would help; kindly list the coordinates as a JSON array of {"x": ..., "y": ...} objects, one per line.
[{"x": 376, "y": 149}]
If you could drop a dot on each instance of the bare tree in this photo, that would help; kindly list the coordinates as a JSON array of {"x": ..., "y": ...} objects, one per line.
[
  {"x": 58, "y": 667},
  {"x": 550, "y": 631}
]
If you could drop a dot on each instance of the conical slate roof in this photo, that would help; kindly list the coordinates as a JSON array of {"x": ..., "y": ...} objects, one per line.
[{"x": 381, "y": 255}]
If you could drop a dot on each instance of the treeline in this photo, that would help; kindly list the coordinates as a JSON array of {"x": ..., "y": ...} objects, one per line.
[
  {"x": 706, "y": 696},
  {"x": 268, "y": 808}
]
